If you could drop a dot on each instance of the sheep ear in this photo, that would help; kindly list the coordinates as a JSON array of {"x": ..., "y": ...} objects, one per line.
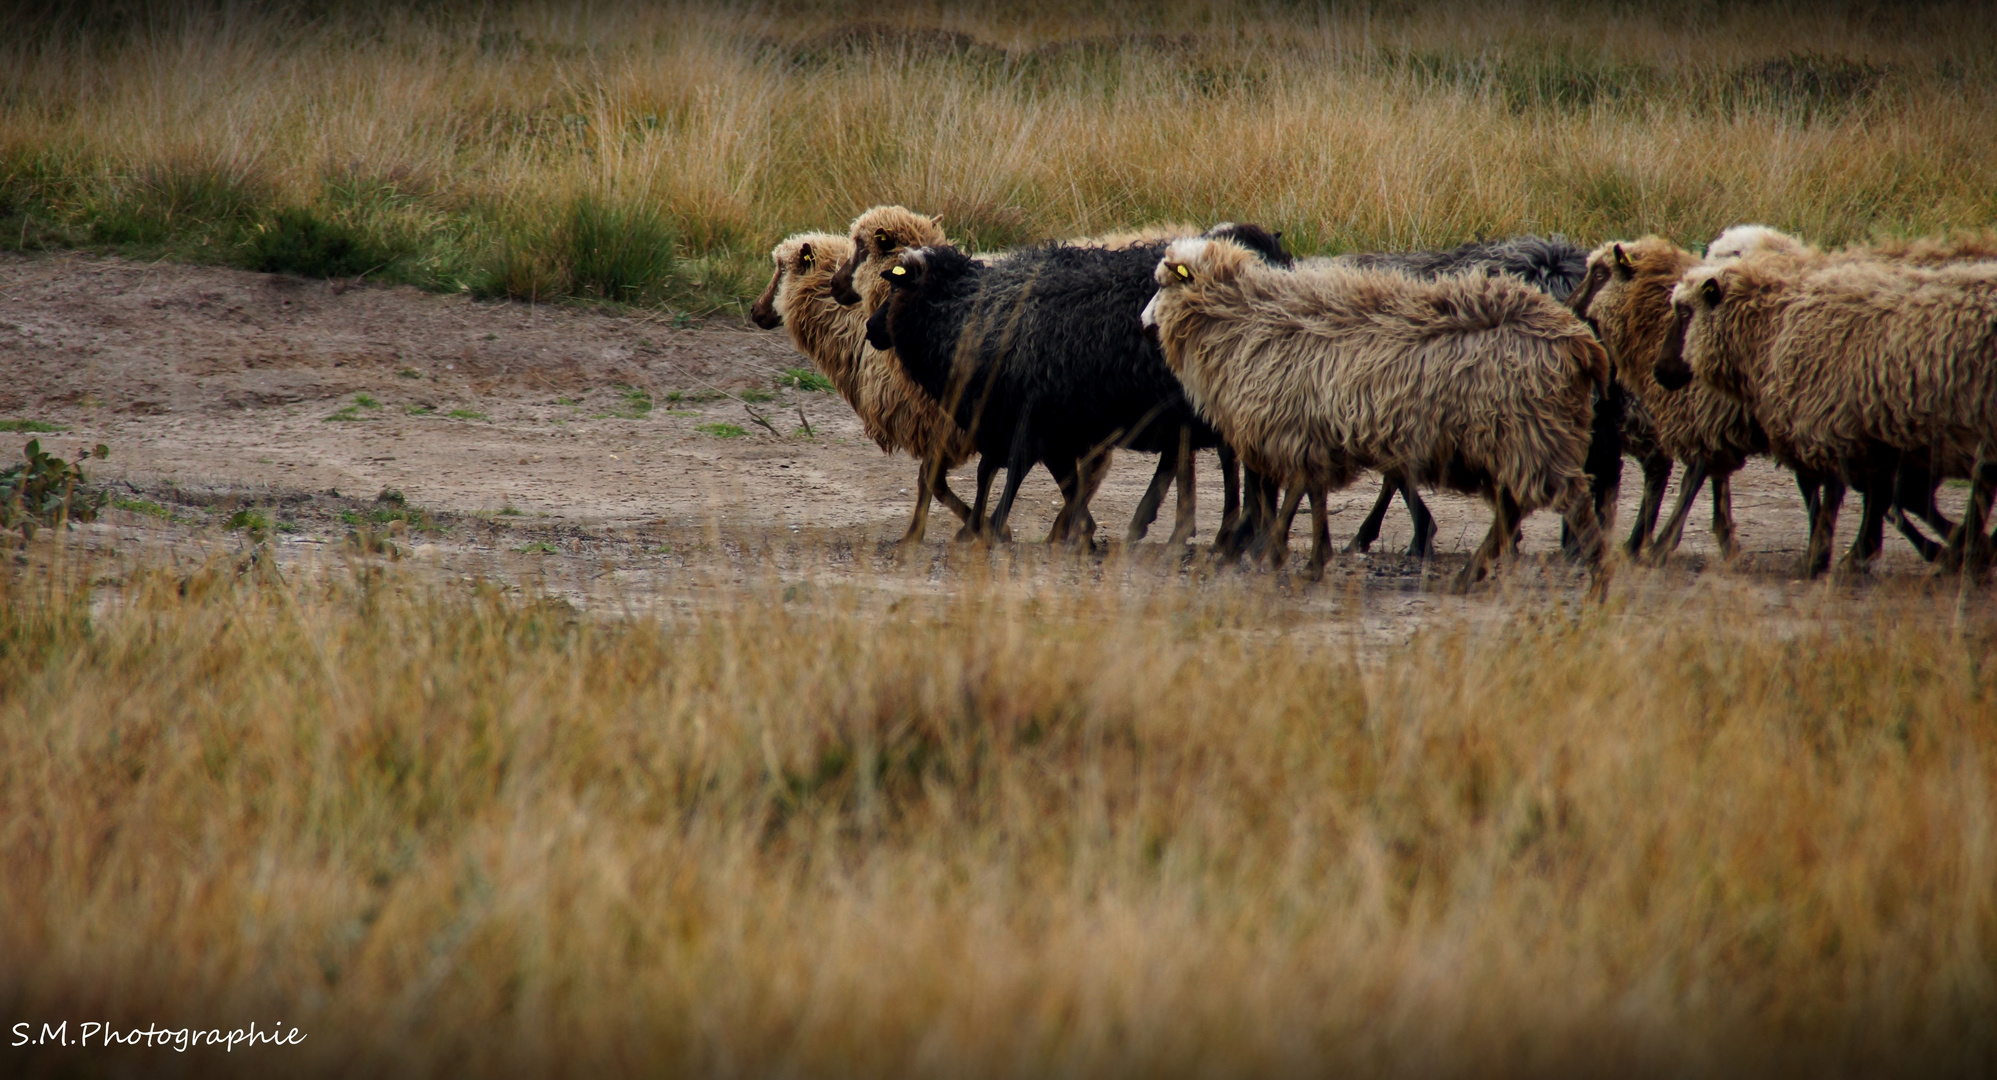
[
  {"x": 1712, "y": 292},
  {"x": 1624, "y": 268}
]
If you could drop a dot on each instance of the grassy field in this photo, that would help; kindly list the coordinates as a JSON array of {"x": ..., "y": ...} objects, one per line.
[
  {"x": 812, "y": 816},
  {"x": 652, "y": 154},
  {"x": 1059, "y": 826}
]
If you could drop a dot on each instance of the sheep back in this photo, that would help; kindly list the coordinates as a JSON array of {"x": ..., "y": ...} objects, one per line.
[{"x": 1315, "y": 375}]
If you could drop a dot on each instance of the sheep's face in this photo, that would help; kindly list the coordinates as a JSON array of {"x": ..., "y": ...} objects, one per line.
[
  {"x": 1609, "y": 262},
  {"x": 878, "y": 235},
  {"x": 798, "y": 260},
  {"x": 904, "y": 275},
  {"x": 1695, "y": 303}
]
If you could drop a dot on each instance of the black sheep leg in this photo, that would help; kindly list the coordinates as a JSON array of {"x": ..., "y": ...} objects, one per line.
[
  {"x": 1187, "y": 511},
  {"x": 1674, "y": 526},
  {"x": 1422, "y": 545},
  {"x": 1230, "y": 482},
  {"x": 1656, "y": 477},
  {"x": 1320, "y": 535},
  {"x": 1827, "y": 500},
  {"x": 1875, "y": 487},
  {"x": 979, "y": 525},
  {"x": 1147, "y": 507},
  {"x": 1018, "y": 461},
  {"x": 1369, "y": 529}
]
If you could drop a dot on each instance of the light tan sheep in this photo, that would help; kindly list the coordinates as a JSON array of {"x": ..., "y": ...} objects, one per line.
[
  {"x": 1317, "y": 375},
  {"x": 894, "y": 412},
  {"x": 1844, "y": 360}
]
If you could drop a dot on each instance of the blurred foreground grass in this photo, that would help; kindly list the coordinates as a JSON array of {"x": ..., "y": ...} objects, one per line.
[
  {"x": 1056, "y": 829},
  {"x": 650, "y": 154}
]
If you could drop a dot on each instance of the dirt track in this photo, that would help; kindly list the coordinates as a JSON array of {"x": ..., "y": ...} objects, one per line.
[{"x": 214, "y": 387}]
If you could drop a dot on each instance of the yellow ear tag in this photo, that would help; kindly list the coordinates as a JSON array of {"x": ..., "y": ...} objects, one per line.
[
  {"x": 1183, "y": 273},
  {"x": 897, "y": 271}
]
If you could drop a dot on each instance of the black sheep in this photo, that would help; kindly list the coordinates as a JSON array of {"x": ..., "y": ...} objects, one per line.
[{"x": 1041, "y": 357}]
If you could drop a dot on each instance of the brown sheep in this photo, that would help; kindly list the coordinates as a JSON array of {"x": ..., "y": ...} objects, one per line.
[
  {"x": 1319, "y": 374},
  {"x": 894, "y": 412},
  {"x": 1626, "y": 296}
]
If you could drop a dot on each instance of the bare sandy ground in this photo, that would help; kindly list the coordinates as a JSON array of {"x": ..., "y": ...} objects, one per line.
[{"x": 214, "y": 388}]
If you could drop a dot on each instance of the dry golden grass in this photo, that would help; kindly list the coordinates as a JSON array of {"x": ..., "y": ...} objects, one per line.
[
  {"x": 478, "y": 145},
  {"x": 1011, "y": 828}
]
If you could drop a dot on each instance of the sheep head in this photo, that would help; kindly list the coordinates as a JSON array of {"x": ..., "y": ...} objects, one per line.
[
  {"x": 798, "y": 258},
  {"x": 1699, "y": 293},
  {"x": 878, "y": 234},
  {"x": 904, "y": 277},
  {"x": 1739, "y": 241},
  {"x": 1269, "y": 245},
  {"x": 1625, "y": 297}
]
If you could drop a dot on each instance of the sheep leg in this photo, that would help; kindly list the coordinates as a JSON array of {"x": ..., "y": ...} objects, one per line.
[
  {"x": 1230, "y": 486},
  {"x": 1320, "y": 535},
  {"x": 1582, "y": 522},
  {"x": 1723, "y": 515},
  {"x": 1656, "y": 477},
  {"x": 1147, "y": 507},
  {"x": 1504, "y": 512},
  {"x": 939, "y": 479},
  {"x": 979, "y": 525},
  {"x": 1914, "y": 496},
  {"x": 1279, "y": 545},
  {"x": 1824, "y": 525},
  {"x": 932, "y": 480},
  {"x": 1422, "y": 546},
  {"x": 1369, "y": 529},
  {"x": 1674, "y": 526},
  {"x": 1015, "y": 474},
  {"x": 1914, "y": 487},
  {"x": 1966, "y": 543},
  {"x": 1188, "y": 508},
  {"x": 1875, "y": 474}
]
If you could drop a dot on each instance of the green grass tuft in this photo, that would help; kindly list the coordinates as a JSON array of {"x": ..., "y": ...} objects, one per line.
[
  {"x": 722, "y": 431},
  {"x": 805, "y": 379}
]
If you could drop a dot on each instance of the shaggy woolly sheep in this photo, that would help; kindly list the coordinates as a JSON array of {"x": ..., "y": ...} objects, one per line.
[
  {"x": 1626, "y": 297},
  {"x": 1549, "y": 264},
  {"x": 1848, "y": 364},
  {"x": 893, "y": 411},
  {"x": 1315, "y": 375}
]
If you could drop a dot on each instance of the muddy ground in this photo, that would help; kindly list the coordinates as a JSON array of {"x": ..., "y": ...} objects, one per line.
[{"x": 519, "y": 436}]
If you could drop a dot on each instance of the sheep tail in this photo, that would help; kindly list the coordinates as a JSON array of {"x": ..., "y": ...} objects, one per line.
[{"x": 1592, "y": 359}]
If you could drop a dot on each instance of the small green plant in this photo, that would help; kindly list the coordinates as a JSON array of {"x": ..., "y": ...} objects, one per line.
[
  {"x": 252, "y": 521},
  {"x": 365, "y": 402},
  {"x": 392, "y": 497},
  {"x": 420, "y": 410},
  {"x": 343, "y": 415},
  {"x": 805, "y": 379},
  {"x": 143, "y": 506},
  {"x": 637, "y": 403},
  {"x": 566, "y": 401},
  {"x": 757, "y": 396},
  {"x": 31, "y": 426},
  {"x": 722, "y": 431},
  {"x": 538, "y": 547},
  {"x": 693, "y": 397},
  {"x": 465, "y": 414},
  {"x": 44, "y": 490},
  {"x": 509, "y": 510}
]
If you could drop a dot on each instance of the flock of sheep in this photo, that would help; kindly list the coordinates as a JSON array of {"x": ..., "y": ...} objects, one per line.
[{"x": 1520, "y": 370}]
